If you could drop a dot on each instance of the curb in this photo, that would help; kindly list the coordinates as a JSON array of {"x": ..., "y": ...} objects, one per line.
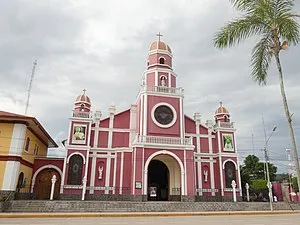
[{"x": 142, "y": 214}]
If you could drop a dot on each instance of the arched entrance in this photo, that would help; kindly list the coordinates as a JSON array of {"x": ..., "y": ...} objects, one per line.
[
  {"x": 43, "y": 184},
  {"x": 164, "y": 177},
  {"x": 158, "y": 181}
]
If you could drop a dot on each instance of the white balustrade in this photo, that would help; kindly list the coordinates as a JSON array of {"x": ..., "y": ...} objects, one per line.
[
  {"x": 80, "y": 114},
  {"x": 164, "y": 140},
  {"x": 162, "y": 89}
]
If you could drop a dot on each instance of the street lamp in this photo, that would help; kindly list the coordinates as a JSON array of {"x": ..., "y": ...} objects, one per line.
[{"x": 269, "y": 184}]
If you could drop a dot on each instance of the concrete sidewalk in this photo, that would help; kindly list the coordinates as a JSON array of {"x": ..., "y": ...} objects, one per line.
[{"x": 141, "y": 214}]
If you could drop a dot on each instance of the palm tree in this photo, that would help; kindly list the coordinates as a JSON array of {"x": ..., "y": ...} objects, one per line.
[{"x": 276, "y": 24}]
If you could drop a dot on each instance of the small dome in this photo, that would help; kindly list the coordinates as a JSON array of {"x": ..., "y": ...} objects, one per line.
[
  {"x": 83, "y": 98},
  {"x": 221, "y": 110},
  {"x": 160, "y": 45}
]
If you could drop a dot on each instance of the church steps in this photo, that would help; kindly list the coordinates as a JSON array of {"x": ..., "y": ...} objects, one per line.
[{"x": 104, "y": 206}]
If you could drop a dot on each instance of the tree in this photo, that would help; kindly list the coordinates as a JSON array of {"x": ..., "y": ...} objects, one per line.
[
  {"x": 295, "y": 184},
  {"x": 255, "y": 170},
  {"x": 276, "y": 24}
]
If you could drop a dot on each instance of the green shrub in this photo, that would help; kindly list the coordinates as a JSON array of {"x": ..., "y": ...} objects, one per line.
[{"x": 259, "y": 185}]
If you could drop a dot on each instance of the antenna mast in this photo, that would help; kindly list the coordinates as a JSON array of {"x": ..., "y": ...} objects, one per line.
[{"x": 30, "y": 85}]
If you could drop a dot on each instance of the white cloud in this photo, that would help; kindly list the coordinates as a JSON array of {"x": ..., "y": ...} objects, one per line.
[{"x": 102, "y": 46}]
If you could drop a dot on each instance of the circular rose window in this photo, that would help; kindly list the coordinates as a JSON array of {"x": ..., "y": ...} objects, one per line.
[{"x": 163, "y": 115}]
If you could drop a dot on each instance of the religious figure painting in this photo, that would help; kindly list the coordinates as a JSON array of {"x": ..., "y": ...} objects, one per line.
[
  {"x": 227, "y": 142},
  {"x": 79, "y": 134}
]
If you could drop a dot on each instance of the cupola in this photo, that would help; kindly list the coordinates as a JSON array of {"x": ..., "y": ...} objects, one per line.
[
  {"x": 160, "y": 55},
  {"x": 222, "y": 114},
  {"x": 83, "y": 103}
]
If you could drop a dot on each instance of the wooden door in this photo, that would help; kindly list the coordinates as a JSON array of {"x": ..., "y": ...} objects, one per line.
[{"x": 43, "y": 184}]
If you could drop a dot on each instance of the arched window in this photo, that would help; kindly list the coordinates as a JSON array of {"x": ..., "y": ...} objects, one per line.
[
  {"x": 75, "y": 170},
  {"x": 225, "y": 118},
  {"x": 230, "y": 173},
  {"x": 20, "y": 181},
  {"x": 161, "y": 61},
  {"x": 163, "y": 81},
  {"x": 27, "y": 144}
]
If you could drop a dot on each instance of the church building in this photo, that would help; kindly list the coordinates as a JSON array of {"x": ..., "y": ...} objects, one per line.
[{"x": 151, "y": 151}]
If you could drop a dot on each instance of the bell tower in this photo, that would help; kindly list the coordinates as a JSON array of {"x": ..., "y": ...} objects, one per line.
[{"x": 160, "y": 101}]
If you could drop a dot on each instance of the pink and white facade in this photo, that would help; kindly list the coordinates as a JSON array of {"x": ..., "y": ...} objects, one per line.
[{"x": 152, "y": 150}]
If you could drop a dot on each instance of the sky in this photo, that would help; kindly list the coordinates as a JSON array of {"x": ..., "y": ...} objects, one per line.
[{"x": 102, "y": 46}]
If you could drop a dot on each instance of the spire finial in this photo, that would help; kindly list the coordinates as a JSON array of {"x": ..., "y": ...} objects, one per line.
[
  {"x": 221, "y": 104},
  {"x": 84, "y": 90},
  {"x": 159, "y": 35}
]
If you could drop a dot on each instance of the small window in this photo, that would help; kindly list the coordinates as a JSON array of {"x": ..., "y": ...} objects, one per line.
[
  {"x": 21, "y": 183},
  {"x": 27, "y": 144},
  {"x": 161, "y": 61},
  {"x": 36, "y": 150}
]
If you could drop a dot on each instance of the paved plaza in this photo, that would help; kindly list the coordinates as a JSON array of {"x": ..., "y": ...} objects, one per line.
[{"x": 285, "y": 219}]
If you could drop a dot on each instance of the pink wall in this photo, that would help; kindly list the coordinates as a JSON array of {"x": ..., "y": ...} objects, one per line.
[
  {"x": 204, "y": 145},
  {"x": 103, "y": 139},
  {"x": 38, "y": 163},
  {"x": 104, "y": 123},
  {"x": 190, "y": 126},
  {"x": 153, "y": 129},
  {"x": 127, "y": 180},
  {"x": 154, "y": 59},
  {"x": 120, "y": 139},
  {"x": 173, "y": 81},
  {"x": 150, "y": 79},
  {"x": 190, "y": 174},
  {"x": 122, "y": 120}
]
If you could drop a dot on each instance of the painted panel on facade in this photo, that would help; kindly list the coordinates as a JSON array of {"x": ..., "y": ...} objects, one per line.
[
  {"x": 120, "y": 139},
  {"x": 127, "y": 175},
  {"x": 203, "y": 130},
  {"x": 153, "y": 129},
  {"x": 122, "y": 120},
  {"x": 92, "y": 138},
  {"x": 104, "y": 123},
  {"x": 150, "y": 80},
  {"x": 103, "y": 139},
  {"x": 173, "y": 81},
  {"x": 190, "y": 126},
  {"x": 204, "y": 145}
]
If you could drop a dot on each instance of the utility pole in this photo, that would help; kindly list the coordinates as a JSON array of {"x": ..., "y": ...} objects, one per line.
[
  {"x": 269, "y": 184},
  {"x": 253, "y": 148},
  {"x": 30, "y": 85}
]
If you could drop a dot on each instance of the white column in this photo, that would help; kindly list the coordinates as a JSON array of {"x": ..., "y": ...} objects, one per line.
[
  {"x": 233, "y": 185},
  {"x": 62, "y": 182},
  {"x": 112, "y": 110},
  {"x": 197, "y": 118},
  {"x": 220, "y": 164},
  {"x": 145, "y": 115},
  {"x": 53, "y": 181},
  {"x": 11, "y": 175},
  {"x": 121, "y": 172},
  {"x": 134, "y": 168},
  {"x": 11, "y": 171},
  {"x": 98, "y": 115},
  {"x": 247, "y": 192},
  {"x": 132, "y": 126},
  {"x": 83, "y": 188},
  {"x": 115, "y": 172},
  {"x": 185, "y": 178},
  {"x": 93, "y": 174},
  {"x": 239, "y": 177},
  {"x": 156, "y": 78},
  {"x": 211, "y": 162}
]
